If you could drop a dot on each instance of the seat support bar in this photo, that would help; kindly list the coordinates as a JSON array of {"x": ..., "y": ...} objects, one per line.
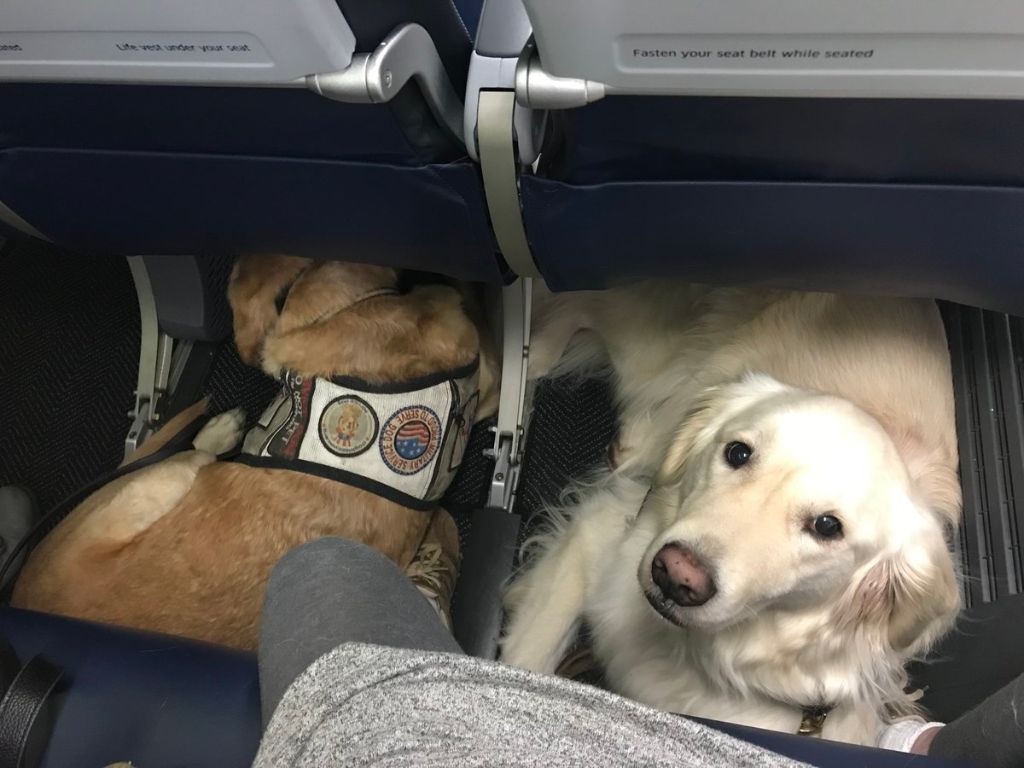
[
  {"x": 500, "y": 169},
  {"x": 512, "y": 405},
  {"x": 155, "y": 352},
  {"x": 490, "y": 553}
]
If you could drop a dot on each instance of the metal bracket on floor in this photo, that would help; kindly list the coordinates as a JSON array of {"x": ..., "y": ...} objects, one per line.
[
  {"x": 155, "y": 353},
  {"x": 509, "y": 432}
]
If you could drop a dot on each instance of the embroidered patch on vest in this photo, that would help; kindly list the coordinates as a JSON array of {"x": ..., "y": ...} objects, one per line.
[
  {"x": 286, "y": 441},
  {"x": 348, "y": 426},
  {"x": 329, "y": 427},
  {"x": 409, "y": 439}
]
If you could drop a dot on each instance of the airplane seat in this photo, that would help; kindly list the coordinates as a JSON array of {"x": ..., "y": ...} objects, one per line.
[
  {"x": 319, "y": 128},
  {"x": 803, "y": 145},
  {"x": 602, "y": 159},
  {"x": 822, "y": 146}
]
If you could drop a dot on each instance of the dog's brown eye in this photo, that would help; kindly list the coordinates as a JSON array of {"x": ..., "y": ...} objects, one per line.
[
  {"x": 737, "y": 454},
  {"x": 827, "y": 526}
]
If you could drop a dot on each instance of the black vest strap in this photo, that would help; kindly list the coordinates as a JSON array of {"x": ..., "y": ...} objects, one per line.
[{"x": 338, "y": 475}]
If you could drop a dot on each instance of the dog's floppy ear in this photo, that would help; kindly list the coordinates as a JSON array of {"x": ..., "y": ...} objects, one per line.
[
  {"x": 709, "y": 411},
  {"x": 909, "y": 596},
  {"x": 257, "y": 282},
  {"x": 692, "y": 435}
]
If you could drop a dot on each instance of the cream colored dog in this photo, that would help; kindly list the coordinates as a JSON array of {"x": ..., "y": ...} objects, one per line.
[{"x": 771, "y": 545}]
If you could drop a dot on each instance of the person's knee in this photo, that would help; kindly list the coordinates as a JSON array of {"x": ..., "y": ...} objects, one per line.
[{"x": 325, "y": 556}]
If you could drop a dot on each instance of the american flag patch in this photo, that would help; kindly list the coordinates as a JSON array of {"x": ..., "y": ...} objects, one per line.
[{"x": 410, "y": 439}]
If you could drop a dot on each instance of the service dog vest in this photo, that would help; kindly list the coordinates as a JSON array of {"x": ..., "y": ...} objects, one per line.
[{"x": 402, "y": 441}]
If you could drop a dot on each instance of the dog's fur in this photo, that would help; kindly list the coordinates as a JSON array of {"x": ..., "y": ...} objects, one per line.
[
  {"x": 848, "y": 405},
  {"x": 185, "y": 546}
]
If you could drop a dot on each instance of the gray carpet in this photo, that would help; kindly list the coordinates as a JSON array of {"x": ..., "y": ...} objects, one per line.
[{"x": 69, "y": 339}]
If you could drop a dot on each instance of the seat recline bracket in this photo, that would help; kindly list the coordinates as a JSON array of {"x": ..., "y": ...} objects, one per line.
[
  {"x": 509, "y": 432},
  {"x": 499, "y": 167},
  {"x": 155, "y": 361},
  {"x": 500, "y": 170},
  {"x": 502, "y": 34},
  {"x": 488, "y": 73},
  {"x": 408, "y": 53}
]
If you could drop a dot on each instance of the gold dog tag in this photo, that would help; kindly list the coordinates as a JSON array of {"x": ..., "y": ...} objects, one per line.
[{"x": 813, "y": 721}]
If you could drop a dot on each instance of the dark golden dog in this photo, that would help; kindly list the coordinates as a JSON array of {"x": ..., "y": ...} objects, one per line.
[{"x": 186, "y": 546}]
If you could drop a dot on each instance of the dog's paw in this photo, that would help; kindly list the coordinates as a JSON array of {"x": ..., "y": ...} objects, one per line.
[
  {"x": 517, "y": 651},
  {"x": 222, "y": 433}
]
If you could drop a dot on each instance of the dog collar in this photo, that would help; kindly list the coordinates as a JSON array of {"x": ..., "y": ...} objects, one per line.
[
  {"x": 813, "y": 721},
  {"x": 579, "y": 664},
  {"x": 401, "y": 441},
  {"x": 282, "y": 296}
]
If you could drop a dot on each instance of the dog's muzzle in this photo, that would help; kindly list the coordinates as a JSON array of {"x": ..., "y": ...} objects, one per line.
[{"x": 681, "y": 579}]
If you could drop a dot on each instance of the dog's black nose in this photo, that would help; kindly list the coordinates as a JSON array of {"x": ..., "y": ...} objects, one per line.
[{"x": 682, "y": 576}]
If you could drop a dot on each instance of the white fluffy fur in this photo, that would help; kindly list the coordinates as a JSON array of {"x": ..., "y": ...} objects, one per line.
[{"x": 848, "y": 404}]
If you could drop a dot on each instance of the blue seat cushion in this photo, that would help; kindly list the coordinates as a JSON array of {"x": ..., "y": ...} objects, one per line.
[
  {"x": 919, "y": 141},
  {"x": 157, "y": 701},
  {"x": 883, "y": 197},
  {"x": 171, "y": 170},
  {"x": 165, "y": 170},
  {"x": 957, "y": 243},
  {"x": 248, "y": 122}
]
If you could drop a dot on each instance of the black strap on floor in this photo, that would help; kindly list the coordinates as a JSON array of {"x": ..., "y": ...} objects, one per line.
[{"x": 26, "y": 713}]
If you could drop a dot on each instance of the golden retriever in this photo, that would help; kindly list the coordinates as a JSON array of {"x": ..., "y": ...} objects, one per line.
[
  {"x": 185, "y": 546},
  {"x": 772, "y": 543}
]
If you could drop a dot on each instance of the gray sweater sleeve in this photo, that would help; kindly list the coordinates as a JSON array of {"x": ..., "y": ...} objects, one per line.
[{"x": 363, "y": 705}]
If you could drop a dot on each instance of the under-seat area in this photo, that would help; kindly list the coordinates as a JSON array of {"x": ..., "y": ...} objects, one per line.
[
  {"x": 73, "y": 360},
  {"x": 571, "y": 428},
  {"x": 500, "y": 144}
]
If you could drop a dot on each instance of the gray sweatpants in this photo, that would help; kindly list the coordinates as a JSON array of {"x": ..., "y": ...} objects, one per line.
[
  {"x": 334, "y": 591},
  {"x": 412, "y": 699}
]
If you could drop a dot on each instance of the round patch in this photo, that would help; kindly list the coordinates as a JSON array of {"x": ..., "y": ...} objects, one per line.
[
  {"x": 409, "y": 439},
  {"x": 348, "y": 426}
]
